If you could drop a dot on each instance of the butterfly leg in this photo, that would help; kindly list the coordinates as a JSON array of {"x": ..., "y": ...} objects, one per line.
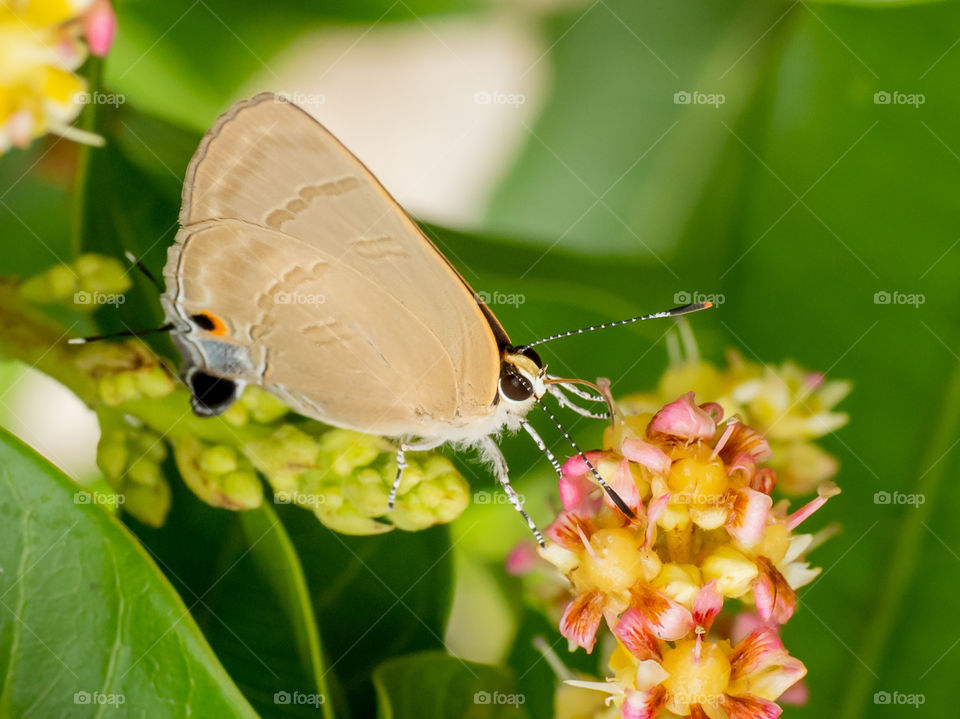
[
  {"x": 542, "y": 446},
  {"x": 421, "y": 446},
  {"x": 491, "y": 452}
]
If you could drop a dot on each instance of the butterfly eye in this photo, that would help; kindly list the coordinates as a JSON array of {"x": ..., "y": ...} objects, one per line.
[
  {"x": 513, "y": 385},
  {"x": 211, "y": 394}
]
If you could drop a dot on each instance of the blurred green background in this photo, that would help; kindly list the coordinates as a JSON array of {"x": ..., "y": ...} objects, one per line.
[{"x": 548, "y": 149}]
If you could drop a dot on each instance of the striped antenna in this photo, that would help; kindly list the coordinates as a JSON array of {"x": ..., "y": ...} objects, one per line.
[
  {"x": 617, "y": 499},
  {"x": 675, "y": 312},
  {"x": 133, "y": 260},
  {"x": 125, "y": 333}
]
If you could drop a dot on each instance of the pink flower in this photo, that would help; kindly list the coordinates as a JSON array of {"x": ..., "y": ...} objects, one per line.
[{"x": 683, "y": 418}]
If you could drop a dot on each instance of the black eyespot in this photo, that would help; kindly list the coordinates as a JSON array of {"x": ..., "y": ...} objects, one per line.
[
  {"x": 513, "y": 385},
  {"x": 204, "y": 322},
  {"x": 211, "y": 395}
]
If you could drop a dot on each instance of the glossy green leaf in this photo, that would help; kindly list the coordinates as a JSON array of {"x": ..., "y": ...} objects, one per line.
[
  {"x": 436, "y": 685},
  {"x": 376, "y": 597},
  {"x": 87, "y": 622}
]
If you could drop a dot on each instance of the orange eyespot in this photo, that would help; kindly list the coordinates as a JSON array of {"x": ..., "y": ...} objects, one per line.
[{"x": 211, "y": 323}]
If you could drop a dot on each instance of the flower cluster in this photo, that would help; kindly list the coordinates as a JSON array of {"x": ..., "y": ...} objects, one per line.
[
  {"x": 42, "y": 44},
  {"x": 790, "y": 406},
  {"x": 705, "y": 530}
]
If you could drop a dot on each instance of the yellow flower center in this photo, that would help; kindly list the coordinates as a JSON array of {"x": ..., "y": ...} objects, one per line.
[
  {"x": 613, "y": 562},
  {"x": 692, "y": 681},
  {"x": 698, "y": 481}
]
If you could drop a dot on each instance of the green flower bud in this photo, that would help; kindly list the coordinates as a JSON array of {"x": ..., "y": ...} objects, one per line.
[
  {"x": 244, "y": 489},
  {"x": 99, "y": 273},
  {"x": 412, "y": 515},
  {"x": 347, "y": 520},
  {"x": 219, "y": 459},
  {"x": 144, "y": 471},
  {"x": 262, "y": 405},
  {"x": 112, "y": 456},
  {"x": 345, "y": 450},
  {"x": 368, "y": 493},
  {"x": 148, "y": 503},
  {"x": 236, "y": 414},
  {"x": 287, "y": 450},
  {"x": 236, "y": 490},
  {"x": 55, "y": 285},
  {"x": 154, "y": 382}
]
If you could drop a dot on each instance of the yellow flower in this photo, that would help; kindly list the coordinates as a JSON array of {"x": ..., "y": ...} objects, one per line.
[{"x": 42, "y": 43}]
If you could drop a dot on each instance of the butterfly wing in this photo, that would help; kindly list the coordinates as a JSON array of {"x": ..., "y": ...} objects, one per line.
[{"x": 324, "y": 290}]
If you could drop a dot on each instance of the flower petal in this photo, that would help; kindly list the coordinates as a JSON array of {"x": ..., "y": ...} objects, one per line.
[
  {"x": 574, "y": 490},
  {"x": 568, "y": 530},
  {"x": 634, "y": 633},
  {"x": 101, "y": 26},
  {"x": 643, "y": 705},
  {"x": 773, "y": 595},
  {"x": 667, "y": 619},
  {"x": 522, "y": 559},
  {"x": 748, "y": 707},
  {"x": 581, "y": 619},
  {"x": 744, "y": 440},
  {"x": 625, "y": 486},
  {"x": 683, "y": 418},
  {"x": 576, "y": 466},
  {"x": 646, "y": 454},
  {"x": 749, "y": 517},
  {"x": 761, "y": 648},
  {"x": 657, "y": 507},
  {"x": 707, "y": 605}
]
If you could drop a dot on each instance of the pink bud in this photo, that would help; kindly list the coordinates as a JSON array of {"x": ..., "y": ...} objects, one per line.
[
  {"x": 100, "y": 27},
  {"x": 683, "y": 418}
]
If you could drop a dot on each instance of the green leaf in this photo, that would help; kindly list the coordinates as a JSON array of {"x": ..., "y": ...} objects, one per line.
[
  {"x": 276, "y": 559},
  {"x": 247, "y": 594},
  {"x": 376, "y": 597},
  {"x": 85, "y": 617},
  {"x": 436, "y": 685},
  {"x": 617, "y": 162},
  {"x": 34, "y": 208}
]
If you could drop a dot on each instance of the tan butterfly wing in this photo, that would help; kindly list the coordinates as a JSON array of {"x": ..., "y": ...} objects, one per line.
[{"x": 341, "y": 304}]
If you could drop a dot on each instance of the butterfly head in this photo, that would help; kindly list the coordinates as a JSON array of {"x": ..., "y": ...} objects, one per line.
[{"x": 522, "y": 374}]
